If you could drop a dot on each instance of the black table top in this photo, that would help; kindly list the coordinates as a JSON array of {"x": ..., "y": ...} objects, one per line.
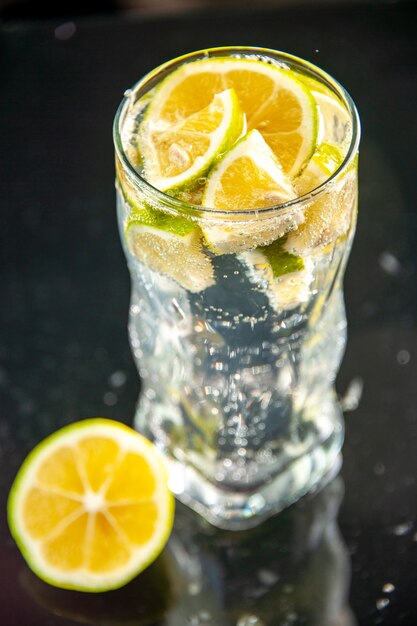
[{"x": 347, "y": 556}]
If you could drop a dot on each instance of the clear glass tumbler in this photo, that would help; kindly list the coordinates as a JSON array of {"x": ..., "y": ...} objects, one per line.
[{"x": 237, "y": 365}]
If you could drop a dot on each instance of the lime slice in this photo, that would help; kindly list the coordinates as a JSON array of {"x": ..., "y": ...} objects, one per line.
[
  {"x": 178, "y": 155},
  {"x": 324, "y": 162},
  {"x": 284, "y": 278},
  {"x": 249, "y": 176},
  {"x": 171, "y": 246},
  {"x": 273, "y": 99},
  {"x": 168, "y": 244},
  {"x": 281, "y": 261},
  {"x": 334, "y": 121},
  {"x": 330, "y": 215},
  {"x": 90, "y": 507}
]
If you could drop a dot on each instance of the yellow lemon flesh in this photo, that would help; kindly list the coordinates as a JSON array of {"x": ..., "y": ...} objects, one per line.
[
  {"x": 177, "y": 155},
  {"x": 274, "y": 101},
  {"x": 248, "y": 175},
  {"x": 90, "y": 507}
]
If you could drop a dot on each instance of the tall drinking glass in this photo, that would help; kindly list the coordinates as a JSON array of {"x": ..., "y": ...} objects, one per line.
[{"x": 237, "y": 360}]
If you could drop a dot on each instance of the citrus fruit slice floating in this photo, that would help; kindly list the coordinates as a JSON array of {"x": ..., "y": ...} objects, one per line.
[
  {"x": 90, "y": 507},
  {"x": 167, "y": 244},
  {"x": 273, "y": 99},
  {"x": 171, "y": 246},
  {"x": 283, "y": 277},
  {"x": 334, "y": 122},
  {"x": 178, "y": 154},
  {"x": 324, "y": 162},
  {"x": 249, "y": 175},
  {"x": 329, "y": 216}
]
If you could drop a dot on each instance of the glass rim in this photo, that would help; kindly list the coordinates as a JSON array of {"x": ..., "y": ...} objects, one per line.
[{"x": 182, "y": 208}]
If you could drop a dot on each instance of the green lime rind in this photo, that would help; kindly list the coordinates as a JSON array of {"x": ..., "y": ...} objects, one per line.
[
  {"x": 153, "y": 218},
  {"x": 309, "y": 148},
  {"x": 281, "y": 261},
  {"x": 233, "y": 134},
  {"x": 170, "y": 246},
  {"x": 148, "y": 216},
  {"x": 15, "y": 523},
  {"x": 310, "y": 125},
  {"x": 328, "y": 157}
]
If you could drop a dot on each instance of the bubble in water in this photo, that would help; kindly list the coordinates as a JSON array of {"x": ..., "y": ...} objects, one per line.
[
  {"x": 388, "y": 588},
  {"x": 199, "y": 619},
  {"x": 194, "y": 589},
  {"x": 267, "y": 577},
  {"x": 249, "y": 620}
]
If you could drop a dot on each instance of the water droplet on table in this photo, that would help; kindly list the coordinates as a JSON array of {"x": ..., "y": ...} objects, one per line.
[
  {"x": 389, "y": 263},
  {"x": 402, "y": 529},
  {"x": 381, "y": 603}
]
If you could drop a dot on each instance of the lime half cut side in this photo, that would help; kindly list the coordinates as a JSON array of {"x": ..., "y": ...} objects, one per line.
[
  {"x": 90, "y": 507},
  {"x": 177, "y": 155},
  {"x": 171, "y": 246}
]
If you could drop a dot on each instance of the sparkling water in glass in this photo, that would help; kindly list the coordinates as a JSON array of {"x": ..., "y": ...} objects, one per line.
[{"x": 238, "y": 371}]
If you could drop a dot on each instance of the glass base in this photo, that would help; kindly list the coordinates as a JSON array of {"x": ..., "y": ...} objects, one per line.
[{"x": 243, "y": 509}]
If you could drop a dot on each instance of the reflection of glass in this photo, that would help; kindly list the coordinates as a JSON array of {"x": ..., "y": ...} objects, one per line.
[
  {"x": 293, "y": 570},
  {"x": 238, "y": 371},
  {"x": 143, "y": 602}
]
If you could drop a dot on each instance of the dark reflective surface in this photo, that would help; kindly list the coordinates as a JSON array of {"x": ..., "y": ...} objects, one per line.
[
  {"x": 294, "y": 568},
  {"x": 64, "y": 297}
]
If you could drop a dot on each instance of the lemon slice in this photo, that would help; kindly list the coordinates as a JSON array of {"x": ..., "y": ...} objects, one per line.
[
  {"x": 330, "y": 215},
  {"x": 90, "y": 507},
  {"x": 177, "y": 155},
  {"x": 171, "y": 246},
  {"x": 273, "y": 99},
  {"x": 248, "y": 177}
]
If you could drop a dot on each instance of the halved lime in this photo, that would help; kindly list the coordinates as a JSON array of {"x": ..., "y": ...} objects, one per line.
[
  {"x": 90, "y": 507},
  {"x": 177, "y": 155}
]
